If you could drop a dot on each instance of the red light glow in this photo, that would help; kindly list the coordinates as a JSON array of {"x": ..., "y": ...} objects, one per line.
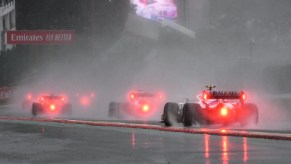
[
  {"x": 64, "y": 97},
  {"x": 206, "y": 145},
  {"x": 205, "y": 96},
  {"x": 245, "y": 145},
  {"x": 29, "y": 97},
  {"x": 224, "y": 111},
  {"x": 132, "y": 96},
  {"x": 161, "y": 96},
  {"x": 132, "y": 139},
  {"x": 84, "y": 101},
  {"x": 52, "y": 107},
  {"x": 243, "y": 96},
  {"x": 145, "y": 108}
]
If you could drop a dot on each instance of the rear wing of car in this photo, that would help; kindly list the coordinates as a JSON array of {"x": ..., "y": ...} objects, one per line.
[
  {"x": 223, "y": 95},
  {"x": 137, "y": 95},
  {"x": 134, "y": 95}
]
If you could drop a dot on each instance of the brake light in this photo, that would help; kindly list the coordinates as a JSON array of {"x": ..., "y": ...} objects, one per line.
[
  {"x": 243, "y": 96},
  {"x": 224, "y": 111},
  {"x": 84, "y": 101},
  {"x": 145, "y": 108},
  {"x": 205, "y": 96},
  {"x": 63, "y": 99},
  {"x": 52, "y": 107},
  {"x": 42, "y": 98},
  {"x": 132, "y": 96}
]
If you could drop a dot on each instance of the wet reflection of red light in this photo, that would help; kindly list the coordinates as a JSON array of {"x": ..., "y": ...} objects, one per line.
[
  {"x": 132, "y": 139},
  {"x": 206, "y": 145},
  {"x": 245, "y": 145},
  {"x": 225, "y": 149}
]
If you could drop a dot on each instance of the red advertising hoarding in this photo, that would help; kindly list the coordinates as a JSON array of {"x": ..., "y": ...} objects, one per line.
[{"x": 41, "y": 37}]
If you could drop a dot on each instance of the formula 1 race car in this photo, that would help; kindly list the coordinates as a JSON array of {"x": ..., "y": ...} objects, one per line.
[
  {"x": 140, "y": 104},
  {"x": 51, "y": 104},
  {"x": 213, "y": 107}
]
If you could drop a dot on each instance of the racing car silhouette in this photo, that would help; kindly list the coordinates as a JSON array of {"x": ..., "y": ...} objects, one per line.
[
  {"x": 140, "y": 104},
  {"x": 51, "y": 104},
  {"x": 213, "y": 107}
]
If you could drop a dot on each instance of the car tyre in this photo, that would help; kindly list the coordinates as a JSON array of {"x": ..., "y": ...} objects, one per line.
[
  {"x": 35, "y": 109},
  {"x": 170, "y": 113},
  {"x": 191, "y": 114}
]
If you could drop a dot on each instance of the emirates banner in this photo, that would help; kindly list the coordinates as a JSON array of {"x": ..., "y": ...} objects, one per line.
[{"x": 41, "y": 37}]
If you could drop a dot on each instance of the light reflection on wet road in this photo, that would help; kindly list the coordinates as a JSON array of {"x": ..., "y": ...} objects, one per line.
[
  {"x": 87, "y": 144},
  {"x": 187, "y": 148},
  {"x": 125, "y": 145}
]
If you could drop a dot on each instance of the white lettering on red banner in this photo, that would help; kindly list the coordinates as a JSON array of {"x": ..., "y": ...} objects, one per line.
[{"x": 41, "y": 37}]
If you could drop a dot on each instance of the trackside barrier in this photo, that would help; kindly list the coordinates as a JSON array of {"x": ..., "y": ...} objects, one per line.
[{"x": 219, "y": 132}]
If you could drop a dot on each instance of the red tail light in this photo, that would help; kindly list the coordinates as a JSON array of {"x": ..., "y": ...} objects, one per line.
[
  {"x": 42, "y": 98},
  {"x": 205, "y": 96},
  {"x": 63, "y": 99},
  {"x": 52, "y": 107},
  {"x": 145, "y": 108},
  {"x": 243, "y": 96},
  {"x": 84, "y": 101},
  {"x": 132, "y": 96},
  {"x": 224, "y": 111}
]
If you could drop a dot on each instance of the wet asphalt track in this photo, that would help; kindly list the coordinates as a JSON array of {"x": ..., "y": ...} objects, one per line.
[
  {"x": 43, "y": 142},
  {"x": 31, "y": 142}
]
